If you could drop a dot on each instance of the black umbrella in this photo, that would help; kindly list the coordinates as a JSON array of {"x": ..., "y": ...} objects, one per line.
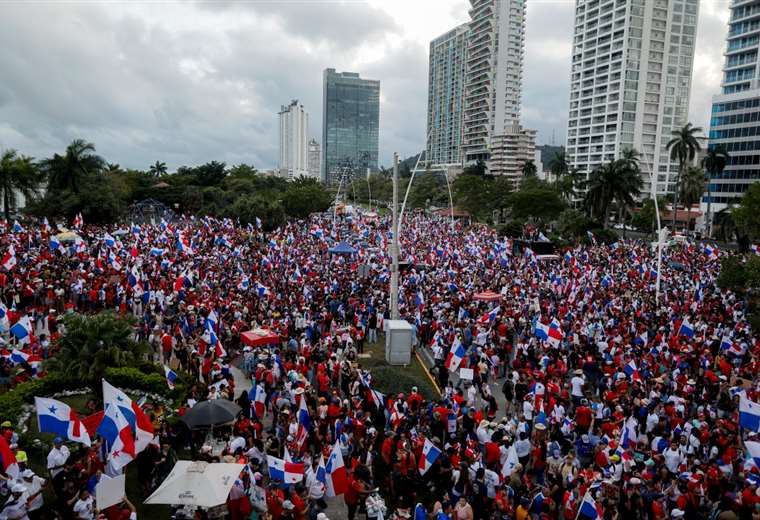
[{"x": 207, "y": 414}]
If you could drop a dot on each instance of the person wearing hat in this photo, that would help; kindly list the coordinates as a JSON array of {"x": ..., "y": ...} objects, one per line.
[
  {"x": 34, "y": 486},
  {"x": 57, "y": 457},
  {"x": 17, "y": 507}
]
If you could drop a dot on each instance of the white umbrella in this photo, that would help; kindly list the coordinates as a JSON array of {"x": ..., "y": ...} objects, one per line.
[{"x": 196, "y": 484}]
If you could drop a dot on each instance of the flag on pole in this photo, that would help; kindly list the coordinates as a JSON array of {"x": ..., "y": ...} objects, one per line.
[
  {"x": 138, "y": 421},
  {"x": 58, "y": 418},
  {"x": 115, "y": 430},
  {"x": 287, "y": 472},
  {"x": 171, "y": 377},
  {"x": 430, "y": 454},
  {"x": 336, "y": 481},
  {"x": 749, "y": 414}
]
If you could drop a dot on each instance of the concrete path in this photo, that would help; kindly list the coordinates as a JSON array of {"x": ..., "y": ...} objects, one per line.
[{"x": 336, "y": 507}]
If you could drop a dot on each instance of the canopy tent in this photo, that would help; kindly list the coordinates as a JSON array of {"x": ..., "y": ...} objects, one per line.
[
  {"x": 208, "y": 414},
  {"x": 198, "y": 484},
  {"x": 487, "y": 296},
  {"x": 342, "y": 249},
  {"x": 256, "y": 337}
]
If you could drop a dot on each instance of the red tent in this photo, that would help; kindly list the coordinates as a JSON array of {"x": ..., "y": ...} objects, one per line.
[
  {"x": 487, "y": 296},
  {"x": 257, "y": 337}
]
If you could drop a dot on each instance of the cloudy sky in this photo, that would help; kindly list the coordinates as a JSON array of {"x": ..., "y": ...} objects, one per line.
[{"x": 186, "y": 82}]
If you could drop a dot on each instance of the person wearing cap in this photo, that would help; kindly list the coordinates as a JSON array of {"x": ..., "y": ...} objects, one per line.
[
  {"x": 34, "y": 486},
  {"x": 17, "y": 506},
  {"x": 57, "y": 457}
]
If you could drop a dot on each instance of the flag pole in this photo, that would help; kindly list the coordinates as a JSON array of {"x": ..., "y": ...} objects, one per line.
[{"x": 578, "y": 514}]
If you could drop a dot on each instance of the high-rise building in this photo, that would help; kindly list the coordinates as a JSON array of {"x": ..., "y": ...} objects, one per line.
[
  {"x": 350, "y": 125},
  {"x": 315, "y": 158},
  {"x": 446, "y": 97},
  {"x": 630, "y": 83},
  {"x": 493, "y": 73},
  {"x": 511, "y": 150},
  {"x": 735, "y": 121},
  {"x": 294, "y": 129}
]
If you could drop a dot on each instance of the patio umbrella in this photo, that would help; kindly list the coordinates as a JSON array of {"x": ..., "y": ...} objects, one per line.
[
  {"x": 214, "y": 412},
  {"x": 67, "y": 236},
  {"x": 487, "y": 296},
  {"x": 256, "y": 337},
  {"x": 197, "y": 484}
]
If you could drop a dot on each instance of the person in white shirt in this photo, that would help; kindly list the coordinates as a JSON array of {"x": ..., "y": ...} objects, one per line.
[
  {"x": 576, "y": 384},
  {"x": 33, "y": 485},
  {"x": 673, "y": 457},
  {"x": 84, "y": 507},
  {"x": 57, "y": 457},
  {"x": 16, "y": 508},
  {"x": 528, "y": 410}
]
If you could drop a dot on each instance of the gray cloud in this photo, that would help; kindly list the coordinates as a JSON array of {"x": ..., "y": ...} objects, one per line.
[{"x": 187, "y": 83}]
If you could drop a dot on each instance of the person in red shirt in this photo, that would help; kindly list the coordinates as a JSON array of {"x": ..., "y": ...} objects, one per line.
[{"x": 356, "y": 491}]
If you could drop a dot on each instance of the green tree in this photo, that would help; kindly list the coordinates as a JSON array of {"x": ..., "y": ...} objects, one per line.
[
  {"x": 529, "y": 169},
  {"x": 94, "y": 343},
  {"x": 746, "y": 215},
  {"x": 478, "y": 168},
  {"x": 572, "y": 223},
  {"x": 158, "y": 169},
  {"x": 714, "y": 162},
  {"x": 242, "y": 170},
  {"x": 536, "y": 199},
  {"x": 692, "y": 188},
  {"x": 268, "y": 208},
  {"x": 66, "y": 172},
  {"x": 305, "y": 196},
  {"x": 618, "y": 180},
  {"x": 18, "y": 174},
  {"x": 645, "y": 219},
  {"x": 210, "y": 174},
  {"x": 683, "y": 147},
  {"x": 559, "y": 166},
  {"x": 471, "y": 193}
]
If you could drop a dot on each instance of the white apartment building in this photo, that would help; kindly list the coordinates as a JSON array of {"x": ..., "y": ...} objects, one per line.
[
  {"x": 294, "y": 129},
  {"x": 315, "y": 158},
  {"x": 511, "y": 150},
  {"x": 630, "y": 83},
  {"x": 493, "y": 74}
]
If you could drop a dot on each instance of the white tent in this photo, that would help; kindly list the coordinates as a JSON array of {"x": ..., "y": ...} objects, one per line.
[{"x": 196, "y": 484}]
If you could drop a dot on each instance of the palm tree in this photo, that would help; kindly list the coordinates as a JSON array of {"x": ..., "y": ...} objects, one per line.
[
  {"x": 158, "y": 169},
  {"x": 92, "y": 344},
  {"x": 692, "y": 188},
  {"x": 529, "y": 169},
  {"x": 617, "y": 181},
  {"x": 65, "y": 172},
  {"x": 112, "y": 169},
  {"x": 714, "y": 162},
  {"x": 18, "y": 174},
  {"x": 683, "y": 147},
  {"x": 559, "y": 166}
]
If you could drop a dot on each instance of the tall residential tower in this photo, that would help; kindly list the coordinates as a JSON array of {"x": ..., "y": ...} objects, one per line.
[
  {"x": 630, "y": 83},
  {"x": 294, "y": 131},
  {"x": 735, "y": 121},
  {"x": 350, "y": 125},
  {"x": 446, "y": 97},
  {"x": 493, "y": 74}
]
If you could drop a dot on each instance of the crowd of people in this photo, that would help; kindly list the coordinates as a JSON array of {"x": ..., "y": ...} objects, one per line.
[{"x": 585, "y": 393}]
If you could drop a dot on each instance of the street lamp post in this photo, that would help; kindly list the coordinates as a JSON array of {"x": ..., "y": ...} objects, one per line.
[{"x": 394, "y": 243}]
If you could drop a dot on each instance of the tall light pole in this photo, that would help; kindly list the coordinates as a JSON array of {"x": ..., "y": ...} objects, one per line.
[
  {"x": 653, "y": 191},
  {"x": 394, "y": 243}
]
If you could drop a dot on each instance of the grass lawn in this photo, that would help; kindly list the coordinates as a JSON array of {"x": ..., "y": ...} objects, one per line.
[{"x": 390, "y": 379}]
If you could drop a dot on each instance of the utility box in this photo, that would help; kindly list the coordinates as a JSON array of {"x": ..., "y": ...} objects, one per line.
[{"x": 398, "y": 342}]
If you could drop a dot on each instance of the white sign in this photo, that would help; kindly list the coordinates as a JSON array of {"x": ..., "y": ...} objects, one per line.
[
  {"x": 110, "y": 491},
  {"x": 466, "y": 373}
]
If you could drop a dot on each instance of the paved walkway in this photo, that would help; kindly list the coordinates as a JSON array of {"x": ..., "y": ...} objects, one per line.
[{"x": 336, "y": 508}]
